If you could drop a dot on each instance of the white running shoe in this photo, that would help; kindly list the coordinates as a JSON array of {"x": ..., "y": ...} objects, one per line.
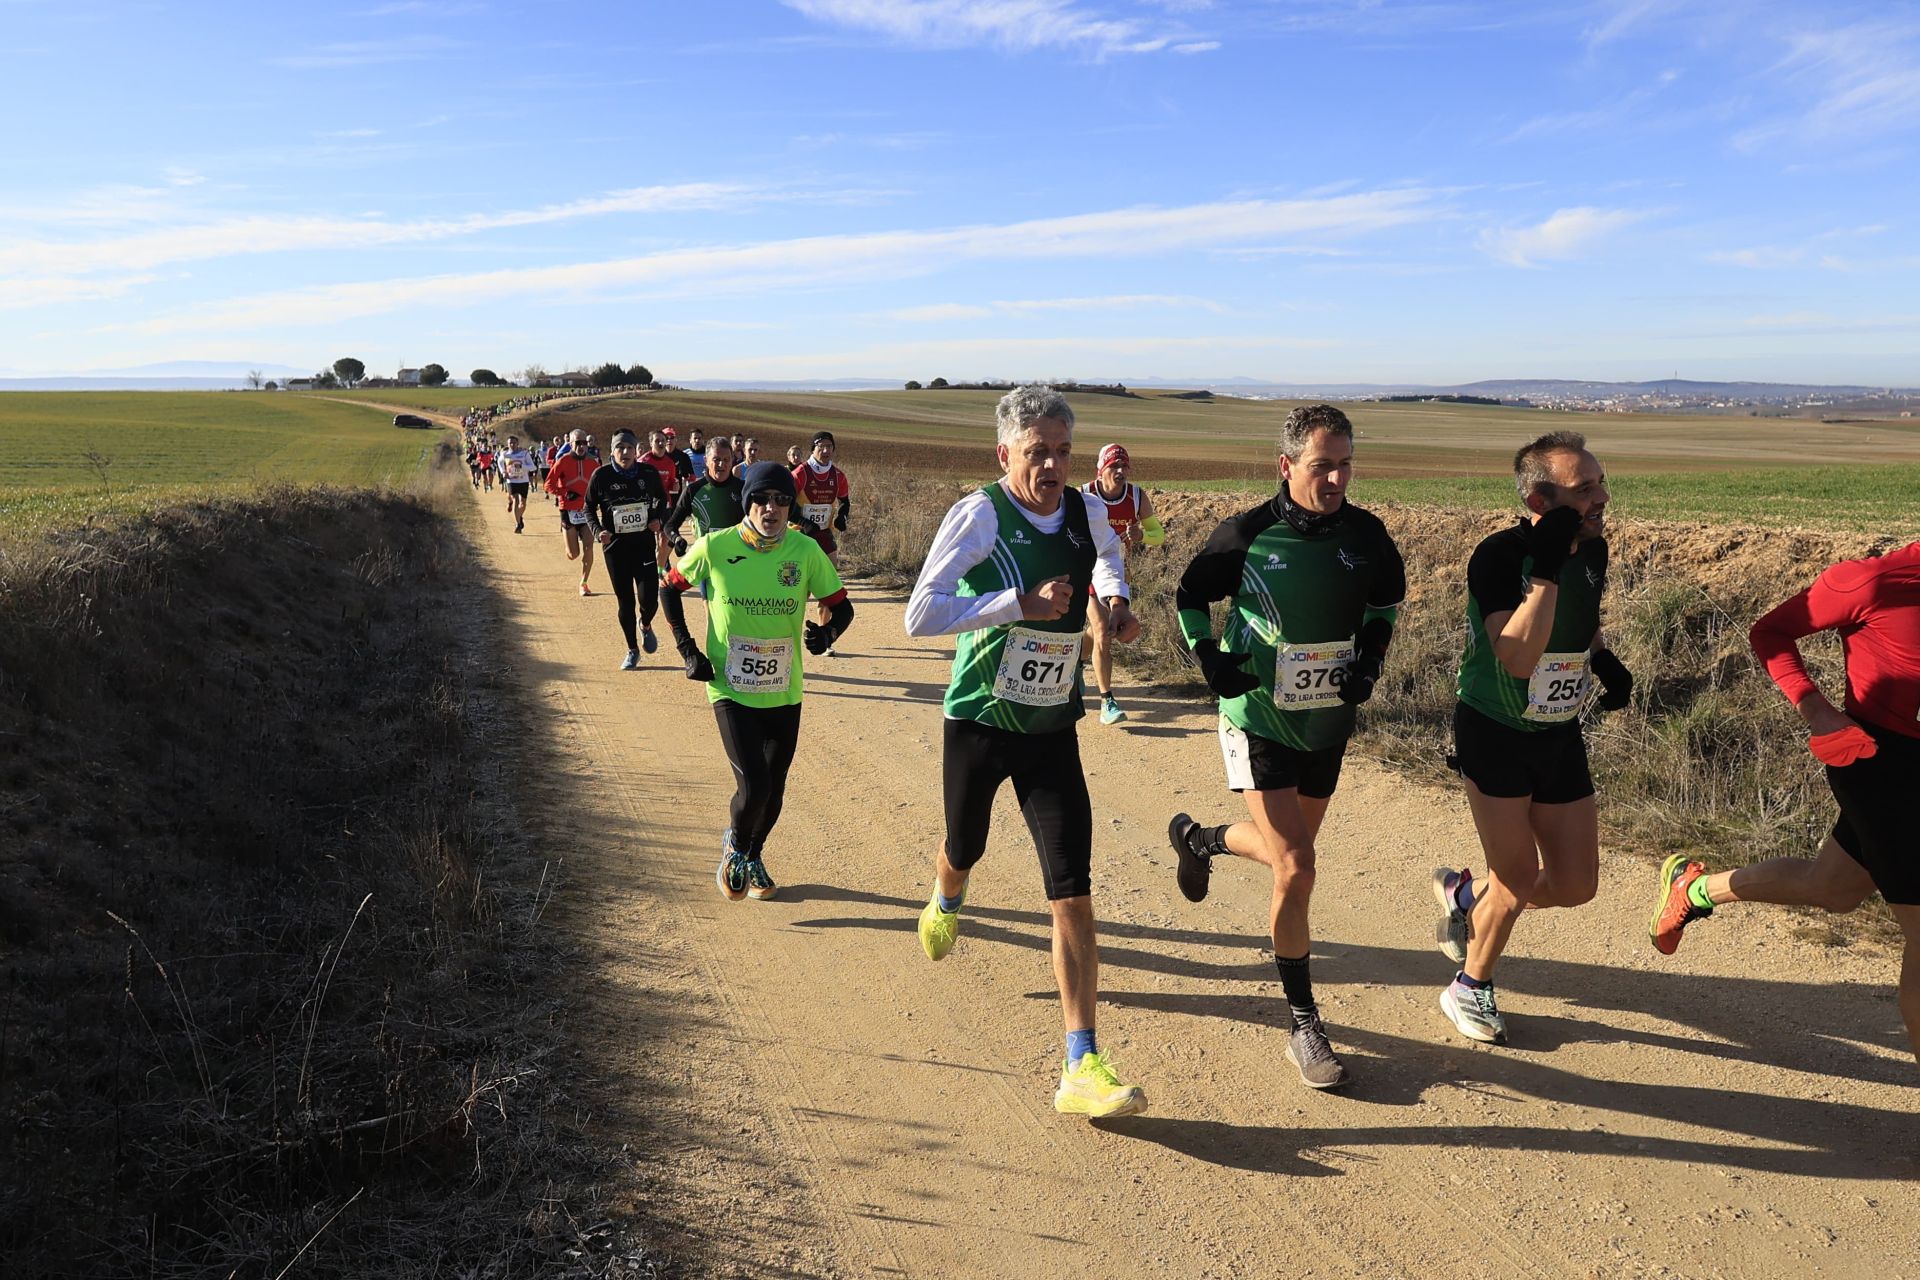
[
  {"x": 1473, "y": 1012},
  {"x": 632, "y": 661},
  {"x": 1455, "y": 925}
]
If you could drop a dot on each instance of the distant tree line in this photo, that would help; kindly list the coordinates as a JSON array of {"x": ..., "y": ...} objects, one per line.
[
  {"x": 351, "y": 372},
  {"x": 1441, "y": 399},
  {"x": 1075, "y": 388}
]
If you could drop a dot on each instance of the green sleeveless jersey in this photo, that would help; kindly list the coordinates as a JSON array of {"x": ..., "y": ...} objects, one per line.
[
  {"x": 1025, "y": 676},
  {"x": 714, "y": 504},
  {"x": 1497, "y": 581},
  {"x": 1298, "y": 601}
]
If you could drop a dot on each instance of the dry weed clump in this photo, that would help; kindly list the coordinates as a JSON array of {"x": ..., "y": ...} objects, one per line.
[
  {"x": 1707, "y": 757},
  {"x": 273, "y": 988}
]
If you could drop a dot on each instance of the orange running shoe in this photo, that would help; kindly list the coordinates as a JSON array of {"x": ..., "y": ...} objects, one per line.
[{"x": 1675, "y": 910}]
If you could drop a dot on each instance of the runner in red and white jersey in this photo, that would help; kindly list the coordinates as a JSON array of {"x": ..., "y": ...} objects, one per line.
[
  {"x": 822, "y": 486},
  {"x": 674, "y": 470},
  {"x": 483, "y": 463},
  {"x": 567, "y": 482},
  {"x": 1872, "y": 754},
  {"x": 1130, "y": 513}
]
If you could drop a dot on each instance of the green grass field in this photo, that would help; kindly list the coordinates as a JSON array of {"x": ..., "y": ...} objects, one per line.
[
  {"x": 1859, "y": 476},
  {"x": 163, "y": 446}
]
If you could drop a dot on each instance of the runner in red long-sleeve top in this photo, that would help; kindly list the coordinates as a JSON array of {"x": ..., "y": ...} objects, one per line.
[{"x": 1872, "y": 752}]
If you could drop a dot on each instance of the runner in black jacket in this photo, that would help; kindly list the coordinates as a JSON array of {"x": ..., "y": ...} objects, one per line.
[{"x": 626, "y": 506}]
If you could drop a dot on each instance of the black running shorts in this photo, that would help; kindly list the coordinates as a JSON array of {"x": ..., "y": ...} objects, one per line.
[
  {"x": 1048, "y": 782},
  {"x": 1876, "y": 814},
  {"x": 1548, "y": 765},
  {"x": 1255, "y": 763},
  {"x": 516, "y": 488}
]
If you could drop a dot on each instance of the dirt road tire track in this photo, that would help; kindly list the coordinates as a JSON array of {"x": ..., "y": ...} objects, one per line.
[{"x": 822, "y": 1100}]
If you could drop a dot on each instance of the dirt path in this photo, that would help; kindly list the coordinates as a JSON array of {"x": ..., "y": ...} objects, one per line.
[{"x": 813, "y": 1097}]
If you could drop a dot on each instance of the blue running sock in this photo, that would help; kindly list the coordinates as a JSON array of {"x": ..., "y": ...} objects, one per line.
[
  {"x": 946, "y": 904},
  {"x": 1471, "y": 984},
  {"x": 1079, "y": 1045},
  {"x": 1467, "y": 904}
]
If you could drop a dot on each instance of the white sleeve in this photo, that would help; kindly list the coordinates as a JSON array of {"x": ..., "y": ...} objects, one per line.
[
  {"x": 965, "y": 539},
  {"x": 1110, "y": 570}
]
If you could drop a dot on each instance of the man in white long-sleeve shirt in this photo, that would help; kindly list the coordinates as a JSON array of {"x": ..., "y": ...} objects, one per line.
[{"x": 1010, "y": 574}]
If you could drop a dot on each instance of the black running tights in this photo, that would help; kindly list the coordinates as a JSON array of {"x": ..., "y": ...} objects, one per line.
[
  {"x": 760, "y": 743},
  {"x": 629, "y": 569}
]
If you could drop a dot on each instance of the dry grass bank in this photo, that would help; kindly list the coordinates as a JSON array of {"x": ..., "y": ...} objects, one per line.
[
  {"x": 1707, "y": 758},
  {"x": 276, "y": 992}
]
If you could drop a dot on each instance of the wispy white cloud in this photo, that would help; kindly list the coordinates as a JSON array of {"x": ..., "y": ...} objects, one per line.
[
  {"x": 1116, "y": 302},
  {"x": 368, "y": 53},
  {"x": 1609, "y": 116},
  {"x": 1765, "y": 257},
  {"x": 235, "y": 236},
  {"x": 1012, "y": 357},
  {"x": 1856, "y": 81},
  {"x": 1197, "y": 46},
  {"x": 1618, "y": 17},
  {"x": 423, "y": 9},
  {"x": 1810, "y": 322},
  {"x": 833, "y": 258},
  {"x": 1568, "y": 233},
  {"x": 1014, "y": 25},
  {"x": 24, "y": 294}
]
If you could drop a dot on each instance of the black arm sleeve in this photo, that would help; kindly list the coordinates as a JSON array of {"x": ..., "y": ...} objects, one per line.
[
  {"x": 1214, "y": 574},
  {"x": 657, "y": 500},
  {"x": 841, "y": 618},
  {"x": 1493, "y": 574},
  {"x": 683, "y": 507},
  {"x": 1390, "y": 581},
  {"x": 676, "y": 613},
  {"x": 596, "y": 498}
]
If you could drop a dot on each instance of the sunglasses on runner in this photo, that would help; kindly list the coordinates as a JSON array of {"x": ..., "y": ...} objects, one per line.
[{"x": 764, "y": 499}]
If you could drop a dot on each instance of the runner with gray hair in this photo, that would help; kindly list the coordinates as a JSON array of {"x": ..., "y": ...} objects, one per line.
[
  {"x": 1010, "y": 573},
  {"x": 1022, "y": 407}
]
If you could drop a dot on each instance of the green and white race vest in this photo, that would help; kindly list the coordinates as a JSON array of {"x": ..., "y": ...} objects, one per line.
[
  {"x": 1025, "y": 676},
  {"x": 1561, "y": 682}
]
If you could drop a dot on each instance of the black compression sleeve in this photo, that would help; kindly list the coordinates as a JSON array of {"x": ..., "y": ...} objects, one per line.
[
  {"x": 1214, "y": 574},
  {"x": 675, "y": 612},
  {"x": 841, "y": 618},
  {"x": 1390, "y": 582},
  {"x": 683, "y": 507}
]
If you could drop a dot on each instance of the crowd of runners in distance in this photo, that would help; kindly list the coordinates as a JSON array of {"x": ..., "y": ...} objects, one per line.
[{"x": 1029, "y": 574}]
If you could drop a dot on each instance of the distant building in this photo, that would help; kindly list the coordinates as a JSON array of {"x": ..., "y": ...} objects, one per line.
[
  {"x": 408, "y": 378},
  {"x": 299, "y": 384},
  {"x": 566, "y": 380}
]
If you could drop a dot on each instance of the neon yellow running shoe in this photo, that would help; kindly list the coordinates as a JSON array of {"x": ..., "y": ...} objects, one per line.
[
  {"x": 938, "y": 928},
  {"x": 1092, "y": 1089}
]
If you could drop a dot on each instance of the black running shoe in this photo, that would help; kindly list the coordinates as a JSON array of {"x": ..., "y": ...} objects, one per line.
[{"x": 1194, "y": 868}]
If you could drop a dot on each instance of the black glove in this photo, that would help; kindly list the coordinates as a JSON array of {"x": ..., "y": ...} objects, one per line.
[
  {"x": 819, "y": 638},
  {"x": 840, "y": 522},
  {"x": 1550, "y": 541},
  {"x": 1225, "y": 673},
  {"x": 697, "y": 666},
  {"x": 1616, "y": 682},
  {"x": 1357, "y": 678},
  {"x": 679, "y": 545}
]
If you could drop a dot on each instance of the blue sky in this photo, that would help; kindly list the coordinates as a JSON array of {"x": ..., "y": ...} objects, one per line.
[{"x": 1294, "y": 190}]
